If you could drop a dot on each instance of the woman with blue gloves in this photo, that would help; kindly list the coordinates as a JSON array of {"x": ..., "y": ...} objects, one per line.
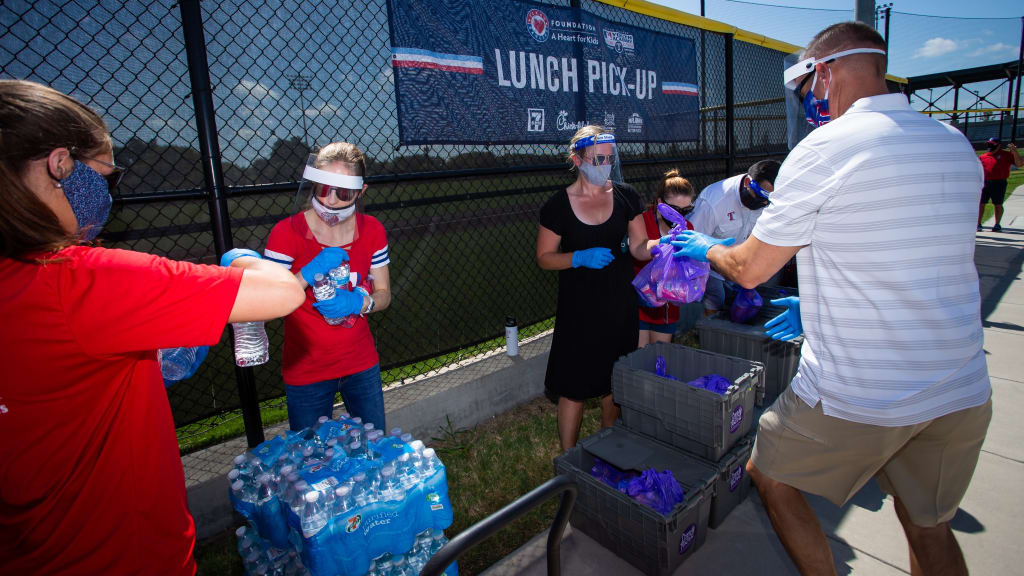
[
  {"x": 90, "y": 472},
  {"x": 589, "y": 233},
  {"x": 321, "y": 360}
]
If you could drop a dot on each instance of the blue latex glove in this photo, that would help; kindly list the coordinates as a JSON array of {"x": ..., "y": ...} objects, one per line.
[
  {"x": 694, "y": 245},
  {"x": 595, "y": 258},
  {"x": 343, "y": 304},
  {"x": 785, "y": 326},
  {"x": 235, "y": 253},
  {"x": 327, "y": 260}
]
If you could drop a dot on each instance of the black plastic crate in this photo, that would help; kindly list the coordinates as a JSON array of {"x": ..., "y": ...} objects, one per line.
[
  {"x": 655, "y": 543},
  {"x": 780, "y": 358},
  {"x": 733, "y": 484},
  {"x": 698, "y": 421}
]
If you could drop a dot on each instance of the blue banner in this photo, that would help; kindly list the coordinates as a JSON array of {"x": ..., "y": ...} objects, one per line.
[{"x": 507, "y": 71}]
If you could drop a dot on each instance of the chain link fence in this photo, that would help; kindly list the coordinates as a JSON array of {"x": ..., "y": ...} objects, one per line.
[{"x": 289, "y": 76}]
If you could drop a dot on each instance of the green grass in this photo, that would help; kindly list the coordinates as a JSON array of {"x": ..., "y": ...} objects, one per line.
[{"x": 488, "y": 467}]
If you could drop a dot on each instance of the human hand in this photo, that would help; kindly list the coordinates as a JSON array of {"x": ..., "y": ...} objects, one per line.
[
  {"x": 343, "y": 304},
  {"x": 236, "y": 253},
  {"x": 595, "y": 258},
  {"x": 787, "y": 325},
  {"x": 327, "y": 260},
  {"x": 1011, "y": 147},
  {"x": 695, "y": 245}
]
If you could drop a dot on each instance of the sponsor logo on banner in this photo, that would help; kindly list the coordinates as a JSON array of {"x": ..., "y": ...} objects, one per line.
[
  {"x": 618, "y": 41},
  {"x": 537, "y": 22},
  {"x": 737, "y": 419},
  {"x": 686, "y": 541},
  {"x": 609, "y": 120},
  {"x": 563, "y": 124},
  {"x": 735, "y": 477},
  {"x": 635, "y": 124},
  {"x": 534, "y": 119}
]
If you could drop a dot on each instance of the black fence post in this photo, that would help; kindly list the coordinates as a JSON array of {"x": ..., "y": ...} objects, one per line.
[
  {"x": 213, "y": 175},
  {"x": 730, "y": 113}
]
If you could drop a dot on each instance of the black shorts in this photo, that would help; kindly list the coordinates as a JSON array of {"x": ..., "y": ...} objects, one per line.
[{"x": 994, "y": 190}]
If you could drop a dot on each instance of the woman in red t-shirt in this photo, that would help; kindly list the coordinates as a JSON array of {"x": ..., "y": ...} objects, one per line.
[
  {"x": 322, "y": 360},
  {"x": 659, "y": 324},
  {"x": 90, "y": 474}
]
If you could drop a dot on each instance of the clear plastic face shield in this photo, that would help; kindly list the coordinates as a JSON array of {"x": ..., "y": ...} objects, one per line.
[
  {"x": 598, "y": 159},
  {"x": 807, "y": 112},
  {"x": 330, "y": 191}
]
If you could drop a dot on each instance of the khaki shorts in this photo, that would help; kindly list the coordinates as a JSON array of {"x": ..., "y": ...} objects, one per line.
[{"x": 928, "y": 466}]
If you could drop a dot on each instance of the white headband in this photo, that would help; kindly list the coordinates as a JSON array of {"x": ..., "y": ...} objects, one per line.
[
  {"x": 806, "y": 66},
  {"x": 332, "y": 178}
]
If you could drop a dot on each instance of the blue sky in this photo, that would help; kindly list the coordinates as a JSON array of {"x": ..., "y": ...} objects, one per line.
[
  {"x": 918, "y": 45},
  {"x": 948, "y": 38}
]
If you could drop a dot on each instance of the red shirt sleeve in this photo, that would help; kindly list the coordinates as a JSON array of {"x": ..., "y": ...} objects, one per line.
[
  {"x": 146, "y": 302},
  {"x": 281, "y": 245}
]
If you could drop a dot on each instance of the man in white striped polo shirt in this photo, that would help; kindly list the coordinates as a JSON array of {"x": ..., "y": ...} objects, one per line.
[{"x": 878, "y": 204}]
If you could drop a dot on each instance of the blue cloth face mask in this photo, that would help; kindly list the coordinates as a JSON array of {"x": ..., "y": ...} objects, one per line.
[
  {"x": 89, "y": 196},
  {"x": 816, "y": 110}
]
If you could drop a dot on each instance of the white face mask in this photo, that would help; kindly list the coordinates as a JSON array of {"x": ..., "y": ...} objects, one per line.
[{"x": 333, "y": 216}]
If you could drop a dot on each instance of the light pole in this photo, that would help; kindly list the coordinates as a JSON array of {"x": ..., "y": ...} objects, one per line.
[{"x": 301, "y": 83}]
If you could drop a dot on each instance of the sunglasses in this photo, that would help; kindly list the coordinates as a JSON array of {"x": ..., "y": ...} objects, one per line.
[
  {"x": 682, "y": 211},
  {"x": 323, "y": 191},
  {"x": 601, "y": 159},
  {"x": 115, "y": 176}
]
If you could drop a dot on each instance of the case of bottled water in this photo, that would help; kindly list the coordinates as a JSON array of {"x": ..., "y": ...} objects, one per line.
[{"x": 341, "y": 499}]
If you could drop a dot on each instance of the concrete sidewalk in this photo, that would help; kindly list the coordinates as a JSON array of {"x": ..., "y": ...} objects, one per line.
[{"x": 865, "y": 535}]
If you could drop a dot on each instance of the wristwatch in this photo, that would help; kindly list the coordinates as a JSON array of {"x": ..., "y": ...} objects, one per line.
[{"x": 369, "y": 307}]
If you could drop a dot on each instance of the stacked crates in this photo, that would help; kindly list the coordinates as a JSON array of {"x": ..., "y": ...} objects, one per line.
[
  {"x": 701, "y": 436},
  {"x": 748, "y": 340}
]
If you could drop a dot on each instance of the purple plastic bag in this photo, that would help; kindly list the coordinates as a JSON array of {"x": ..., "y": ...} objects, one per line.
[
  {"x": 657, "y": 490},
  {"x": 611, "y": 475},
  {"x": 659, "y": 369},
  {"x": 713, "y": 383},
  {"x": 746, "y": 305},
  {"x": 667, "y": 279}
]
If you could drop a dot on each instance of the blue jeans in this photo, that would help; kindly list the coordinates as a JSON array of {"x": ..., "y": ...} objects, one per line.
[{"x": 361, "y": 392}]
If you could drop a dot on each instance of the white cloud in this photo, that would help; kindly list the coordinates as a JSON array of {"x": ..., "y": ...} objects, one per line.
[
  {"x": 997, "y": 48},
  {"x": 935, "y": 47},
  {"x": 255, "y": 89}
]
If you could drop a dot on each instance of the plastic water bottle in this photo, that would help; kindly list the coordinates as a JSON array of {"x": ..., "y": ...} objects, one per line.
[
  {"x": 360, "y": 494},
  {"x": 396, "y": 432},
  {"x": 511, "y": 336},
  {"x": 399, "y": 567},
  {"x": 430, "y": 463},
  {"x": 252, "y": 347},
  {"x": 407, "y": 438},
  {"x": 368, "y": 427},
  {"x": 405, "y": 471},
  {"x": 343, "y": 502},
  {"x": 323, "y": 289},
  {"x": 340, "y": 276},
  {"x": 176, "y": 363},
  {"x": 390, "y": 486},
  {"x": 437, "y": 540},
  {"x": 356, "y": 450},
  {"x": 312, "y": 518}
]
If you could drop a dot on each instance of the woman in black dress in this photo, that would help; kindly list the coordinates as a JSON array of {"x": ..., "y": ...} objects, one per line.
[{"x": 588, "y": 232}]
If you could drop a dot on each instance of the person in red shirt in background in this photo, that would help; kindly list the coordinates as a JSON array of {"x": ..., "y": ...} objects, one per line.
[
  {"x": 321, "y": 360},
  {"x": 659, "y": 324},
  {"x": 91, "y": 480},
  {"x": 996, "y": 163}
]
